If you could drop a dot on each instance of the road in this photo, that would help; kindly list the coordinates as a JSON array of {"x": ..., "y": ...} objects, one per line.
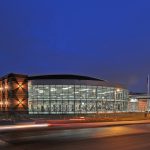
[{"x": 128, "y": 137}]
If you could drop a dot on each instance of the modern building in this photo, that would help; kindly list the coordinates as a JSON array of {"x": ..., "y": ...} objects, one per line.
[
  {"x": 138, "y": 102},
  {"x": 60, "y": 94}
]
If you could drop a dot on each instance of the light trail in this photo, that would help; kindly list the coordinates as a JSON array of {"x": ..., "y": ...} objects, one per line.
[{"x": 13, "y": 127}]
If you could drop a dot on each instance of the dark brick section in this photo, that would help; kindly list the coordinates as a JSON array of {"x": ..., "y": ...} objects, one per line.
[{"x": 14, "y": 93}]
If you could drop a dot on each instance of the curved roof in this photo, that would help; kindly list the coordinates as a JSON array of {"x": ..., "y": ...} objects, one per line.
[
  {"x": 68, "y": 79},
  {"x": 65, "y": 79},
  {"x": 63, "y": 76}
]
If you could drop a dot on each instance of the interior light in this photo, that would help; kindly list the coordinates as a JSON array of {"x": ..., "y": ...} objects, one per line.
[
  {"x": 66, "y": 88},
  {"x": 133, "y": 100},
  {"x": 84, "y": 89},
  {"x": 41, "y": 91},
  {"x": 82, "y": 103},
  {"x": 53, "y": 89}
]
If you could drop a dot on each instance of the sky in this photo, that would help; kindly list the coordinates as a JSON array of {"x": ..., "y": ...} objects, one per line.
[{"x": 107, "y": 39}]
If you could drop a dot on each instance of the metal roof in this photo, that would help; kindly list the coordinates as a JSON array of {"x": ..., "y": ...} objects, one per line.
[
  {"x": 63, "y": 76},
  {"x": 68, "y": 79}
]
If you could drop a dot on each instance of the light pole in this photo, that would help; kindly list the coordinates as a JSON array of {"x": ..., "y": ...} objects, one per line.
[{"x": 148, "y": 93}]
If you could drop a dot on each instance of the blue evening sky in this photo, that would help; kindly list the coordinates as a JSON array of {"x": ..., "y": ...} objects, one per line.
[{"x": 108, "y": 39}]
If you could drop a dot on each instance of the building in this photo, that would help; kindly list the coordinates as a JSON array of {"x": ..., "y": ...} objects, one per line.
[
  {"x": 138, "y": 102},
  {"x": 60, "y": 94},
  {"x": 14, "y": 93}
]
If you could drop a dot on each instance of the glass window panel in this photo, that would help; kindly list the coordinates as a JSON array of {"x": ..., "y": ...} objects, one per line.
[{"x": 75, "y": 99}]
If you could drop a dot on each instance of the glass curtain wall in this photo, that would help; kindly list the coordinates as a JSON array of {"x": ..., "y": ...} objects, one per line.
[{"x": 75, "y": 99}]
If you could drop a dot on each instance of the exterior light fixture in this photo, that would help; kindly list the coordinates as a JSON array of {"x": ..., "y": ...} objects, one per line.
[
  {"x": 20, "y": 85},
  {"x": 20, "y": 102},
  {"x": 6, "y": 87},
  {"x": 118, "y": 90},
  {"x": 6, "y": 103}
]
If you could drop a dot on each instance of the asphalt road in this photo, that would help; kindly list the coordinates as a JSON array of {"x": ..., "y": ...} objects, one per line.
[{"x": 129, "y": 137}]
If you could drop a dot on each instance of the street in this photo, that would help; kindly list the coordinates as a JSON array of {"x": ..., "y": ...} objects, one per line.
[{"x": 128, "y": 137}]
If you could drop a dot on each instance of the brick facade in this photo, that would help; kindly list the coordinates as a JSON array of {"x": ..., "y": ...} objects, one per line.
[{"x": 14, "y": 93}]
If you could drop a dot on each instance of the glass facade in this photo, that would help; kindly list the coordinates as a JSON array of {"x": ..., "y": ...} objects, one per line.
[{"x": 75, "y": 99}]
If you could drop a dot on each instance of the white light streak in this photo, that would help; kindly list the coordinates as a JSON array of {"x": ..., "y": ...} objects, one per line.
[{"x": 12, "y": 127}]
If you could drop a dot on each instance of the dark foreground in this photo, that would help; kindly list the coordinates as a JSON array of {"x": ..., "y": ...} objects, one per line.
[{"x": 129, "y": 137}]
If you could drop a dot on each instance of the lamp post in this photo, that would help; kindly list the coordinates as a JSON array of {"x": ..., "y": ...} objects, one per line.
[{"x": 148, "y": 93}]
